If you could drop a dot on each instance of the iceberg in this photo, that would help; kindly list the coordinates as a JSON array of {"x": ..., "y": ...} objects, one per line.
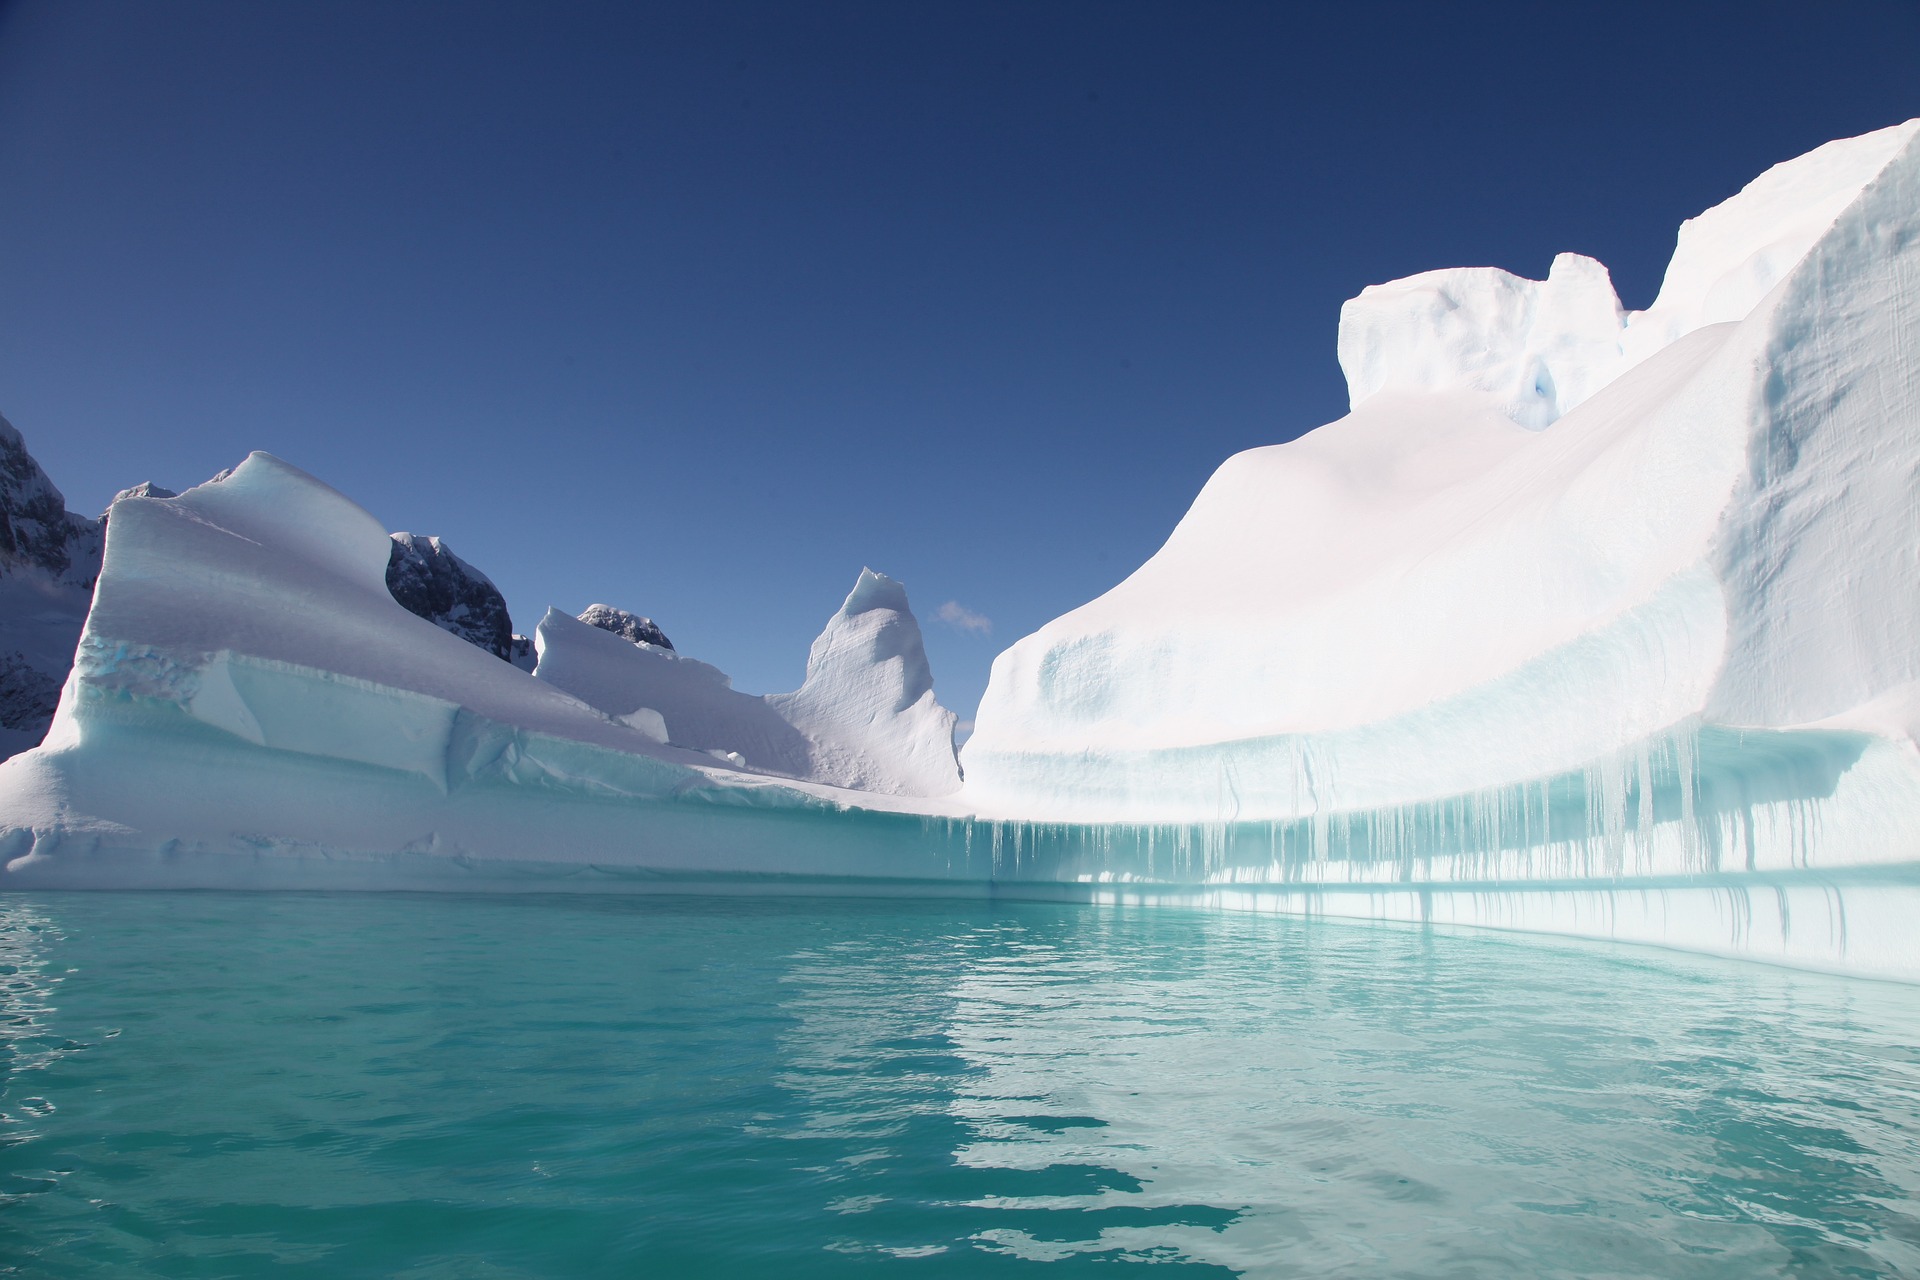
[
  {"x": 1536, "y": 549},
  {"x": 1582, "y": 620}
]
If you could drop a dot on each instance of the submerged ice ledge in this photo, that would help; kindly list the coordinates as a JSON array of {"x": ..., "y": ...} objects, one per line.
[{"x": 1785, "y": 846}]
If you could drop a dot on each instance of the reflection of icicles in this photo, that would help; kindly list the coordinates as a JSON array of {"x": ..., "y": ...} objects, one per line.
[
  {"x": 26, "y": 989},
  {"x": 26, "y": 1003}
]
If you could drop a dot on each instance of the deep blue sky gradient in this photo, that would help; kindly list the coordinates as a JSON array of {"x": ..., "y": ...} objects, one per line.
[{"x": 697, "y": 308}]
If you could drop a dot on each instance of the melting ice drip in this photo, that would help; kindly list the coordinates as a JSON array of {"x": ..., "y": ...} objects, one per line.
[{"x": 1691, "y": 802}]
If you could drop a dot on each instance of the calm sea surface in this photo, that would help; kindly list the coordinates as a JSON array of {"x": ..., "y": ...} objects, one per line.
[{"x": 314, "y": 1085}]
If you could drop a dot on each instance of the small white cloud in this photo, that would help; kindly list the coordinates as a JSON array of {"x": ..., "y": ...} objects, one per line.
[{"x": 961, "y": 618}]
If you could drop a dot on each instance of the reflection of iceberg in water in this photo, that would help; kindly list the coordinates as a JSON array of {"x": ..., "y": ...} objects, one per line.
[
  {"x": 28, "y": 1045},
  {"x": 1337, "y": 1102}
]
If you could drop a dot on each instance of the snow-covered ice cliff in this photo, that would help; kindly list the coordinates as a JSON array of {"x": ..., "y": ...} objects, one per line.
[
  {"x": 1574, "y": 597},
  {"x": 1539, "y": 543},
  {"x": 1582, "y": 620}
]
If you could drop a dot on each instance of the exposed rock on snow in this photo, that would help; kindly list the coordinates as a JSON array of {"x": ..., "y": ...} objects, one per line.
[
  {"x": 145, "y": 489},
  {"x": 49, "y": 558},
  {"x": 628, "y": 626},
  {"x": 38, "y": 535},
  {"x": 28, "y": 695},
  {"x": 433, "y": 583}
]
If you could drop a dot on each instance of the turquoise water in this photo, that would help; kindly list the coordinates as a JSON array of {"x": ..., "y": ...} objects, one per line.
[{"x": 317, "y": 1085}]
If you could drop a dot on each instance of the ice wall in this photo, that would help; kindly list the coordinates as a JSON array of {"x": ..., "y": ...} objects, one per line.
[{"x": 694, "y": 703}]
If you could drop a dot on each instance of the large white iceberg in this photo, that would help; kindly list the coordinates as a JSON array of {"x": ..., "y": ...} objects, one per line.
[
  {"x": 1583, "y": 620},
  {"x": 1542, "y": 543}
]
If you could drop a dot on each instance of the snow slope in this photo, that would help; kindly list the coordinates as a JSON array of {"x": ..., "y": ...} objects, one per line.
[{"x": 690, "y": 703}]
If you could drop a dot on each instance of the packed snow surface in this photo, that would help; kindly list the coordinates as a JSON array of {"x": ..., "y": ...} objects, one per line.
[{"x": 1584, "y": 620}]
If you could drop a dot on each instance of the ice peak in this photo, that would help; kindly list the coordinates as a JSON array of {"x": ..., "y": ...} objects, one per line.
[
  {"x": 1538, "y": 348},
  {"x": 1728, "y": 258},
  {"x": 875, "y": 591},
  {"x": 868, "y": 701}
]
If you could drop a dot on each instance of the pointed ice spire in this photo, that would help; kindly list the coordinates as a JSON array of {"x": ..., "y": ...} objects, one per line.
[{"x": 868, "y": 700}]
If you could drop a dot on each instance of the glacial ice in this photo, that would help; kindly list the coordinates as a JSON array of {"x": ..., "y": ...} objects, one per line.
[{"x": 1583, "y": 620}]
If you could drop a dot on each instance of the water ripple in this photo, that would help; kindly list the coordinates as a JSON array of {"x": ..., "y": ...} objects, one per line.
[{"x": 442, "y": 1086}]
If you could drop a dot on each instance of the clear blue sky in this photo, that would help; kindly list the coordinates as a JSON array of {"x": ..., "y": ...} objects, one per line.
[{"x": 697, "y": 308}]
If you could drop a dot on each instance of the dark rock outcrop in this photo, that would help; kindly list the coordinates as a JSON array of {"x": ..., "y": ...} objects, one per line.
[
  {"x": 628, "y": 626},
  {"x": 49, "y": 561},
  {"x": 28, "y": 695},
  {"x": 145, "y": 489},
  {"x": 429, "y": 580},
  {"x": 37, "y": 532}
]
